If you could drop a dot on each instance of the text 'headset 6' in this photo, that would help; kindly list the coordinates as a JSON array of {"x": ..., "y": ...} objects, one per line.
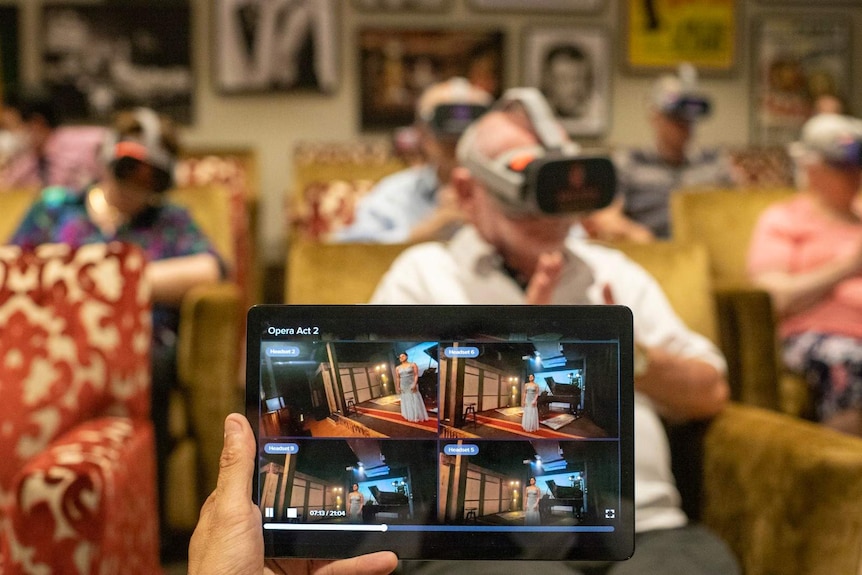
[{"x": 550, "y": 178}]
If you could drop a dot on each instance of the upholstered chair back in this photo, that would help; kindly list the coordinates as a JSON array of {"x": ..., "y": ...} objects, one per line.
[
  {"x": 74, "y": 345},
  {"x": 77, "y": 472}
]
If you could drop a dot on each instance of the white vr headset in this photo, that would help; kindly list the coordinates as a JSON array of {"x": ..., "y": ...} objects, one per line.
[{"x": 550, "y": 178}]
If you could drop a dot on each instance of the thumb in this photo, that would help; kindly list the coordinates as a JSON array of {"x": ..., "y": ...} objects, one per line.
[{"x": 236, "y": 465}]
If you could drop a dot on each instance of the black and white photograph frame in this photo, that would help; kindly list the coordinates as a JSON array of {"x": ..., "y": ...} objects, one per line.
[
  {"x": 571, "y": 66},
  {"x": 101, "y": 58},
  {"x": 8, "y": 49},
  {"x": 402, "y": 5},
  {"x": 534, "y": 6},
  {"x": 266, "y": 46}
]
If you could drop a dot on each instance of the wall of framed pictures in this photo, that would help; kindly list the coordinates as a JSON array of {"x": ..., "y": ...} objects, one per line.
[{"x": 267, "y": 74}]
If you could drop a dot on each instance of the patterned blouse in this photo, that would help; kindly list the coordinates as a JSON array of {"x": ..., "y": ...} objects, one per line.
[{"x": 166, "y": 231}]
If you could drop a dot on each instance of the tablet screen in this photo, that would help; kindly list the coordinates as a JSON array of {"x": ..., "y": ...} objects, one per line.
[{"x": 443, "y": 432}]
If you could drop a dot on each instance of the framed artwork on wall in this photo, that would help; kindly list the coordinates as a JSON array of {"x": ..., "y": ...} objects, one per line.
[
  {"x": 570, "y": 6},
  {"x": 266, "y": 46},
  {"x": 407, "y": 5},
  {"x": 571, "y": 66},
  {"x": 661, "y": 34},
  {"x": 396, "y": 65},
  {"x": 8, "y": 49},
  {"x": 98, "y": 58},
  {"x": 795, "y": 60}
]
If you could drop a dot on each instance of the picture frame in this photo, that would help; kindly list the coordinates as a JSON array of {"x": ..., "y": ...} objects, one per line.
[
  {"x": 796, "y": 59},
  {"x": 396, "y": 65},
  {"x": 100, "y": 58},
  {"x": 534, "y": 6},
  {"x": 402, "y": 5},
  {"x": 571, "y": 66},
  {"x": 662, "y": 34},
  {"x": 8, "y": 49},
  {"x": 262, "y": 46}
]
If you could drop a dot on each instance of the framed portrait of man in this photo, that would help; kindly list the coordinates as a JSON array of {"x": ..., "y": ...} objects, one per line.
[{"x": 571, "y": 67}]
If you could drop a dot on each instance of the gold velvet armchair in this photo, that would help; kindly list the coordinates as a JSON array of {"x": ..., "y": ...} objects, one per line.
[
  {"x": 785, "y": 494},
  {"x": 723, "y": 221}
]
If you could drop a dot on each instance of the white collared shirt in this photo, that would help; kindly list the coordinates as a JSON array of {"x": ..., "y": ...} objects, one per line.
[{"x": 467, "y": 270}]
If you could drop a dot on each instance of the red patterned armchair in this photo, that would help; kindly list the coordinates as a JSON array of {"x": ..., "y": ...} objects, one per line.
[{"x": 77, "y": 463}]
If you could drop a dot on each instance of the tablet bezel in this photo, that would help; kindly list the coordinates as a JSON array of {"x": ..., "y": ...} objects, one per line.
[{"x": 455, "y": 323}]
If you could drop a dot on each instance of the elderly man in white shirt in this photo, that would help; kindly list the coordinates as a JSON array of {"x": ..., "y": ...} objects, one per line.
[{"x": 511, "y": 252}]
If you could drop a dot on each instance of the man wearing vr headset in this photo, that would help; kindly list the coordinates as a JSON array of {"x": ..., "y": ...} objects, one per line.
[
  {"x": 522, "y": 186},
  {"x": 417, "y": 203},
  {"x": 807, "y": 253},
  {"x": 648, "y": 177},
  {"x": 128, "y": 205}
]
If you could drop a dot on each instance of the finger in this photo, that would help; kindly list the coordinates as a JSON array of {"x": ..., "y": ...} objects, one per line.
[
  {"x": 236, "y": 465},
  {"x": 380, "y": 563},
  {"x": 545, "y": 278},
  {"x": 289, "y": 566},
  {"x": 608, "y": 294}
]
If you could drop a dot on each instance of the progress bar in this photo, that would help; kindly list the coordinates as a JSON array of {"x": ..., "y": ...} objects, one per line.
[{"x": 324, "y": 527}]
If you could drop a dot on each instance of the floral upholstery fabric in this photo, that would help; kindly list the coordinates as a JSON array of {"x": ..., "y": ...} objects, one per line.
[
  {"x": 77, "y": 473},
  {"x": 329, "y": 180}
]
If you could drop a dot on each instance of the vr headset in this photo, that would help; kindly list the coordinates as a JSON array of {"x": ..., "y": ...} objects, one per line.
[
  {"x": 677, "y": 95},
  {"x": 452, "y": 119},
  {"x": 848, "y": 153},
  {"x": 836, "y": 138},
  {"x": 688, "y": 107},
  {"x": 124, "y": 154},
  {"x": 550, "y": 178}
]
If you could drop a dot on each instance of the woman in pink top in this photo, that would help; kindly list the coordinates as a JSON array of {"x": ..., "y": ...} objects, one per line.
[{"x": 807, "y": 253}]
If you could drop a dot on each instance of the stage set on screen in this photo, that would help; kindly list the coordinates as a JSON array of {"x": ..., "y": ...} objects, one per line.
[
  {"x": 350, "y": 481},
  {"x": 541, "y": 482},
  {"x": 537, "y": 390},
  {"x": 415, "y": 429},
  {"x": 356, "y": 389}
]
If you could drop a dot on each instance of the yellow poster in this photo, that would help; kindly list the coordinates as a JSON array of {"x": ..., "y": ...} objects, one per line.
[{"x": 664, "y": 33}]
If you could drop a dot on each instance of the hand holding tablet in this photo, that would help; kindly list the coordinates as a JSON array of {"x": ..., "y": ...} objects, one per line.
[{"x": 227, "y": 536}]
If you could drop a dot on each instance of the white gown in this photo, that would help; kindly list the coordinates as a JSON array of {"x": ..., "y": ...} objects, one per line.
[
  {"x": 531, "y": 516},
  {"x": 530, "y": 419},
  {"x": 355, "y": 506},
  {"x": 412, "y": 405}
]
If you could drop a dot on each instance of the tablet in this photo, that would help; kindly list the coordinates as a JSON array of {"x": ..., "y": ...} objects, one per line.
[{"x": 443, "y": 432}]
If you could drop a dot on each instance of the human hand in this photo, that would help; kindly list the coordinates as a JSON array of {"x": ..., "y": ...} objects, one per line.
[
  {"x": 228, "y": 538},
  {"x": 443, "y": 221},
  {"x": 610, "y": 225},
  {"x": 545, "y": 278}
]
